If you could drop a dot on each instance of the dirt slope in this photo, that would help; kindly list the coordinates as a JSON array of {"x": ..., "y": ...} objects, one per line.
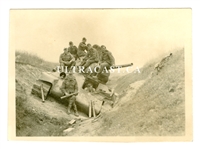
[
  {"x": 94, "y": 128},
  {"x": 155, "y": 108},
  {"x": 34, "y": 118}
]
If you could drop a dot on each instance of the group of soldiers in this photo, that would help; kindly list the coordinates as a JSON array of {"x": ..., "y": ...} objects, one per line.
[{"x": 87, "y": 55}]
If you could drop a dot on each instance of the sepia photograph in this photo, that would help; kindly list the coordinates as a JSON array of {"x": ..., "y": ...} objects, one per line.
[{"x": 100, "y": 74}]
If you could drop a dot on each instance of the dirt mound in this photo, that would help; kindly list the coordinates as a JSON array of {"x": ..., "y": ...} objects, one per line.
[
  {"x": 34, "y": 118},
  {"x": 149, "y": 107},
  {"x": 158, "y": 108}
]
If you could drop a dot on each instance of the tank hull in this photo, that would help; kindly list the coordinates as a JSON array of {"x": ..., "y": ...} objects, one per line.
[{"x": 52, "y": 83}]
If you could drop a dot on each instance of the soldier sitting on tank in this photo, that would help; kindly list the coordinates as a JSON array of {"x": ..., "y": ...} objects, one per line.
[
  {"x": 66, "y": 59},
  {"x": 82, "y": 48},
  {"x": 99, "y": 51},
  {"x": 73, "y": 50},
  {"x": 90, "y": 58},
  {"x": 106, "y": 61},
  {"x": 70, "y": 86}
]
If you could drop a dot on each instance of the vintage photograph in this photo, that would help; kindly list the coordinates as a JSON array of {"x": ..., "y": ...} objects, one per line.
[{"x": 101, "y": 73}]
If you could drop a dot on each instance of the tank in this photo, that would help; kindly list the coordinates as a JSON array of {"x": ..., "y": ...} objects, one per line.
[{"x": 103, "y": 98}]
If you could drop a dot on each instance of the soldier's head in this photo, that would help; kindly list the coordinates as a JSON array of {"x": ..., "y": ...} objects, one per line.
[
  {"x": 97, "y": 47},
  {"x": 71, "y": 44},
  {"x": 62, "y": 75},
  {"x": 89, "y": 46},
  {"x": 103, "y": 47},
  {"x": 84, "y": 40},
  {"x": 89, "y": 85},
  {"x": 65, "y": 50}
]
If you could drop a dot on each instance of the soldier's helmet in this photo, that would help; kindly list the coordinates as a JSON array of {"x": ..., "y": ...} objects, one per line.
[
  {"x": 70, "y": 43},
  {"x": 88, "y": 44},
  {"x": 103, "y": 46},
  {"x": 84, "y": 38},
  {"x": 96, "y": 46}
]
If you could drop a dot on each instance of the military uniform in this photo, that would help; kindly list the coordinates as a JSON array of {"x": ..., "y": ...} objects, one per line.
[
  {"x": 73, "y": 50},
  {"x": 66, "y": 60},
  {"x": 90, "y": 58},
  {"x": 70, "y": 86},
  {"x": 99, "y": 51},
  {"x": 107, "y": 60},
  {"x": 81, "y": 49}
]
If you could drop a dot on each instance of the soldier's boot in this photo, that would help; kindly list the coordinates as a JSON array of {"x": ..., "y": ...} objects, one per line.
[{"x": 75, "y": 111}]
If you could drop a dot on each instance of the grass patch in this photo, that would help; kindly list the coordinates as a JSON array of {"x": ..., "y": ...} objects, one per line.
[
  {"x": 26, "y": 58},
  {"x": 31, "y": 123},
  {"x": 158, "y": 107}
]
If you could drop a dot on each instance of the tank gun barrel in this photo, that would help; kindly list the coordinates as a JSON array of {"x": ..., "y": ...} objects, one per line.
[{"x": 121, "y": 66}]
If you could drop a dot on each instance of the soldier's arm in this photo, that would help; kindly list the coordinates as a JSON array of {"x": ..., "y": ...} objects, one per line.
[
  {"x": 72, "y": 57},
  {"x": 111, "y": 58},
  {"x": 60, "y": 59},
  {"x": 100, "y": 56},
  {"x": 94, "y": 55},
  {"x": 86, "y": 57},
  {"x": 76, "y": 49},
  {"x": 63, "y": 87},
  {"x": 69, "y": 49},
  {"x": 76, "y": 87},
  {"x": 82, "y": 45}
]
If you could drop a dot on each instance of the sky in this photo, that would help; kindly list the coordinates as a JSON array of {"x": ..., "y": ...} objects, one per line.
[{"x": 132, "y": 35}]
